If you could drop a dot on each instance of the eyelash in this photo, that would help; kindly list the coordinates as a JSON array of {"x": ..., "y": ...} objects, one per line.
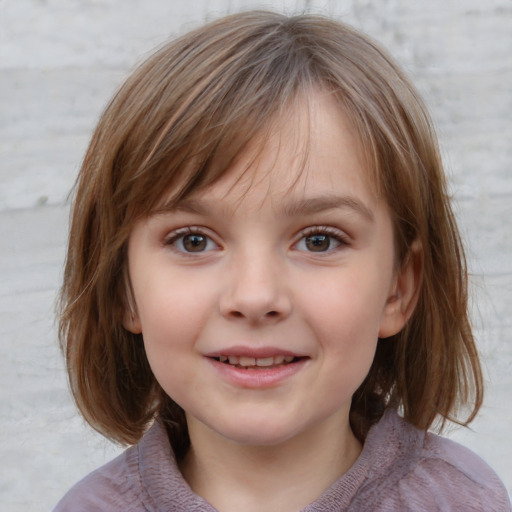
[
  {"x": 331, "y": 233},
  {"x": 181, "y": 233}
]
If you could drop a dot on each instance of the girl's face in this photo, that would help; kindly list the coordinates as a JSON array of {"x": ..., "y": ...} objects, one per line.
[{"x": 261, "y": 299}]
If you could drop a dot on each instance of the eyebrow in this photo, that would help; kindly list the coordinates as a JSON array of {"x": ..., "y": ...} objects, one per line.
[
  {"x": 327, "y": 202},
  {"x": 186, "y": 205},
  {"x": 308, "y": 206}
]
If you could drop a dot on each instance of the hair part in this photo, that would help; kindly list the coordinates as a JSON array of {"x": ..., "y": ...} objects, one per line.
[{"x": 176, "y": 125}]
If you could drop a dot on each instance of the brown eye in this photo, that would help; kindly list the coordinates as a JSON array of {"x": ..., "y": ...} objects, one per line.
[
  {"x": 189, "y": 241},
  {"x": 318, "y": 243},
  {"x": 195, "y": 243},
  {"x": 322, "y": 240}
]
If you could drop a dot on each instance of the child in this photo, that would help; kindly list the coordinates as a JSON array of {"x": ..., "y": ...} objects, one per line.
[{"x": 265, "y": 290}]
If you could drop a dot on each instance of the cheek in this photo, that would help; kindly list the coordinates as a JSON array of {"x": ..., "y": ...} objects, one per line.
[
  {"x": 351, "y": 302},
  {"x": 171, "y": 300},
  {"x": 170, "y": 329},
  {"x": 171, "y": 317},
  {"x": 170, "y": 320}
]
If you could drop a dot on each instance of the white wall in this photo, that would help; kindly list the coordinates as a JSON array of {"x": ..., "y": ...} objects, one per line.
[{"x": 60, "y": 60}]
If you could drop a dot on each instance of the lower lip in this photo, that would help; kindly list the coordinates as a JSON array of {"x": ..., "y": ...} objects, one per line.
[{"x": 257, "y": 379}]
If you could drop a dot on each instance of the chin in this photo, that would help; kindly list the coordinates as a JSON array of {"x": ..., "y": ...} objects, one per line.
[
  {"x": 258, "y": 438},
  {"x": 257, "y": 433}
]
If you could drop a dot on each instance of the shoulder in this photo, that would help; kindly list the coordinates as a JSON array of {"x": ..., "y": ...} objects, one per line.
[
  {"x": 456, "y": 477},
  {"x": 422, "y": 472},
  {"x": 129, "y": 482},
  {"x": 113, "y": 487},
  {"x": 145, "y": 477}
]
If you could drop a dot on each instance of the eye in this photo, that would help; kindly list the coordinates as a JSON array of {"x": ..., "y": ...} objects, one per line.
[
  {"x": 188, "y": 241},
  {"x": 321, "y": 240}
]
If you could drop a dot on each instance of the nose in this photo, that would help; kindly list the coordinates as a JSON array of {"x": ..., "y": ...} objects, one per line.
[{"x": 256, "y": 290}]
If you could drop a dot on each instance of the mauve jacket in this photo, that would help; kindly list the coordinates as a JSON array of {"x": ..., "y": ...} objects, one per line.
[{"x": 400, "y": 468}]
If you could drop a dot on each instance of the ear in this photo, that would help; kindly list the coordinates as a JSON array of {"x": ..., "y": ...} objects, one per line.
[
  {"x": 131, "y": 321},
  {"x": 404, "y": 293}
]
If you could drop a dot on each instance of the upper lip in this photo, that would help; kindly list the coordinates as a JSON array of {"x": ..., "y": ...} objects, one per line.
[{"x": 256, "y": 352}]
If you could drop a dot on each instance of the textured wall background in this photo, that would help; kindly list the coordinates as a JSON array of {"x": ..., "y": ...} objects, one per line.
[{"x": 60, "y": 60}]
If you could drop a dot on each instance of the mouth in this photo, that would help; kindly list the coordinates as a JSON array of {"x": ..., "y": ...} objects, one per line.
[
  {"x": 258, "y": 363},
  {"x": 257, "y": 368}
]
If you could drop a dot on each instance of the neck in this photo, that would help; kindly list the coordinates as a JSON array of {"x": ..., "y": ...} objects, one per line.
[{"x": 287, "y": 476}]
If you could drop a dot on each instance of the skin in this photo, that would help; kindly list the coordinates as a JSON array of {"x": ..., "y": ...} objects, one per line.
[{"x": 290, "y": 256}]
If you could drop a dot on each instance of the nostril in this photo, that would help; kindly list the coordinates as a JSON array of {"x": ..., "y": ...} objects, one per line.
[{"x": 269, "y": 314}]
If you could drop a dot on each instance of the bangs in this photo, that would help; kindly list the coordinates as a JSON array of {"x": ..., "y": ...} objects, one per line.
[
  {"x": 187, "y": 113},
  {"x": 201, "y": 105}
]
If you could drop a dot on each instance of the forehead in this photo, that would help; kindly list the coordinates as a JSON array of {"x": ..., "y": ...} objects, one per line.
[{"x": 311, "y": 150}]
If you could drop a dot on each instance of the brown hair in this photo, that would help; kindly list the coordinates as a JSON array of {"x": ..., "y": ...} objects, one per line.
[{"x": 175, "y": 126}]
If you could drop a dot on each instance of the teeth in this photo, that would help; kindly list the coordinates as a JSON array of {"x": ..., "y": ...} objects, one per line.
[
  {"x": 265, "y": 361},
  {"x": 256, "y": 361}
]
